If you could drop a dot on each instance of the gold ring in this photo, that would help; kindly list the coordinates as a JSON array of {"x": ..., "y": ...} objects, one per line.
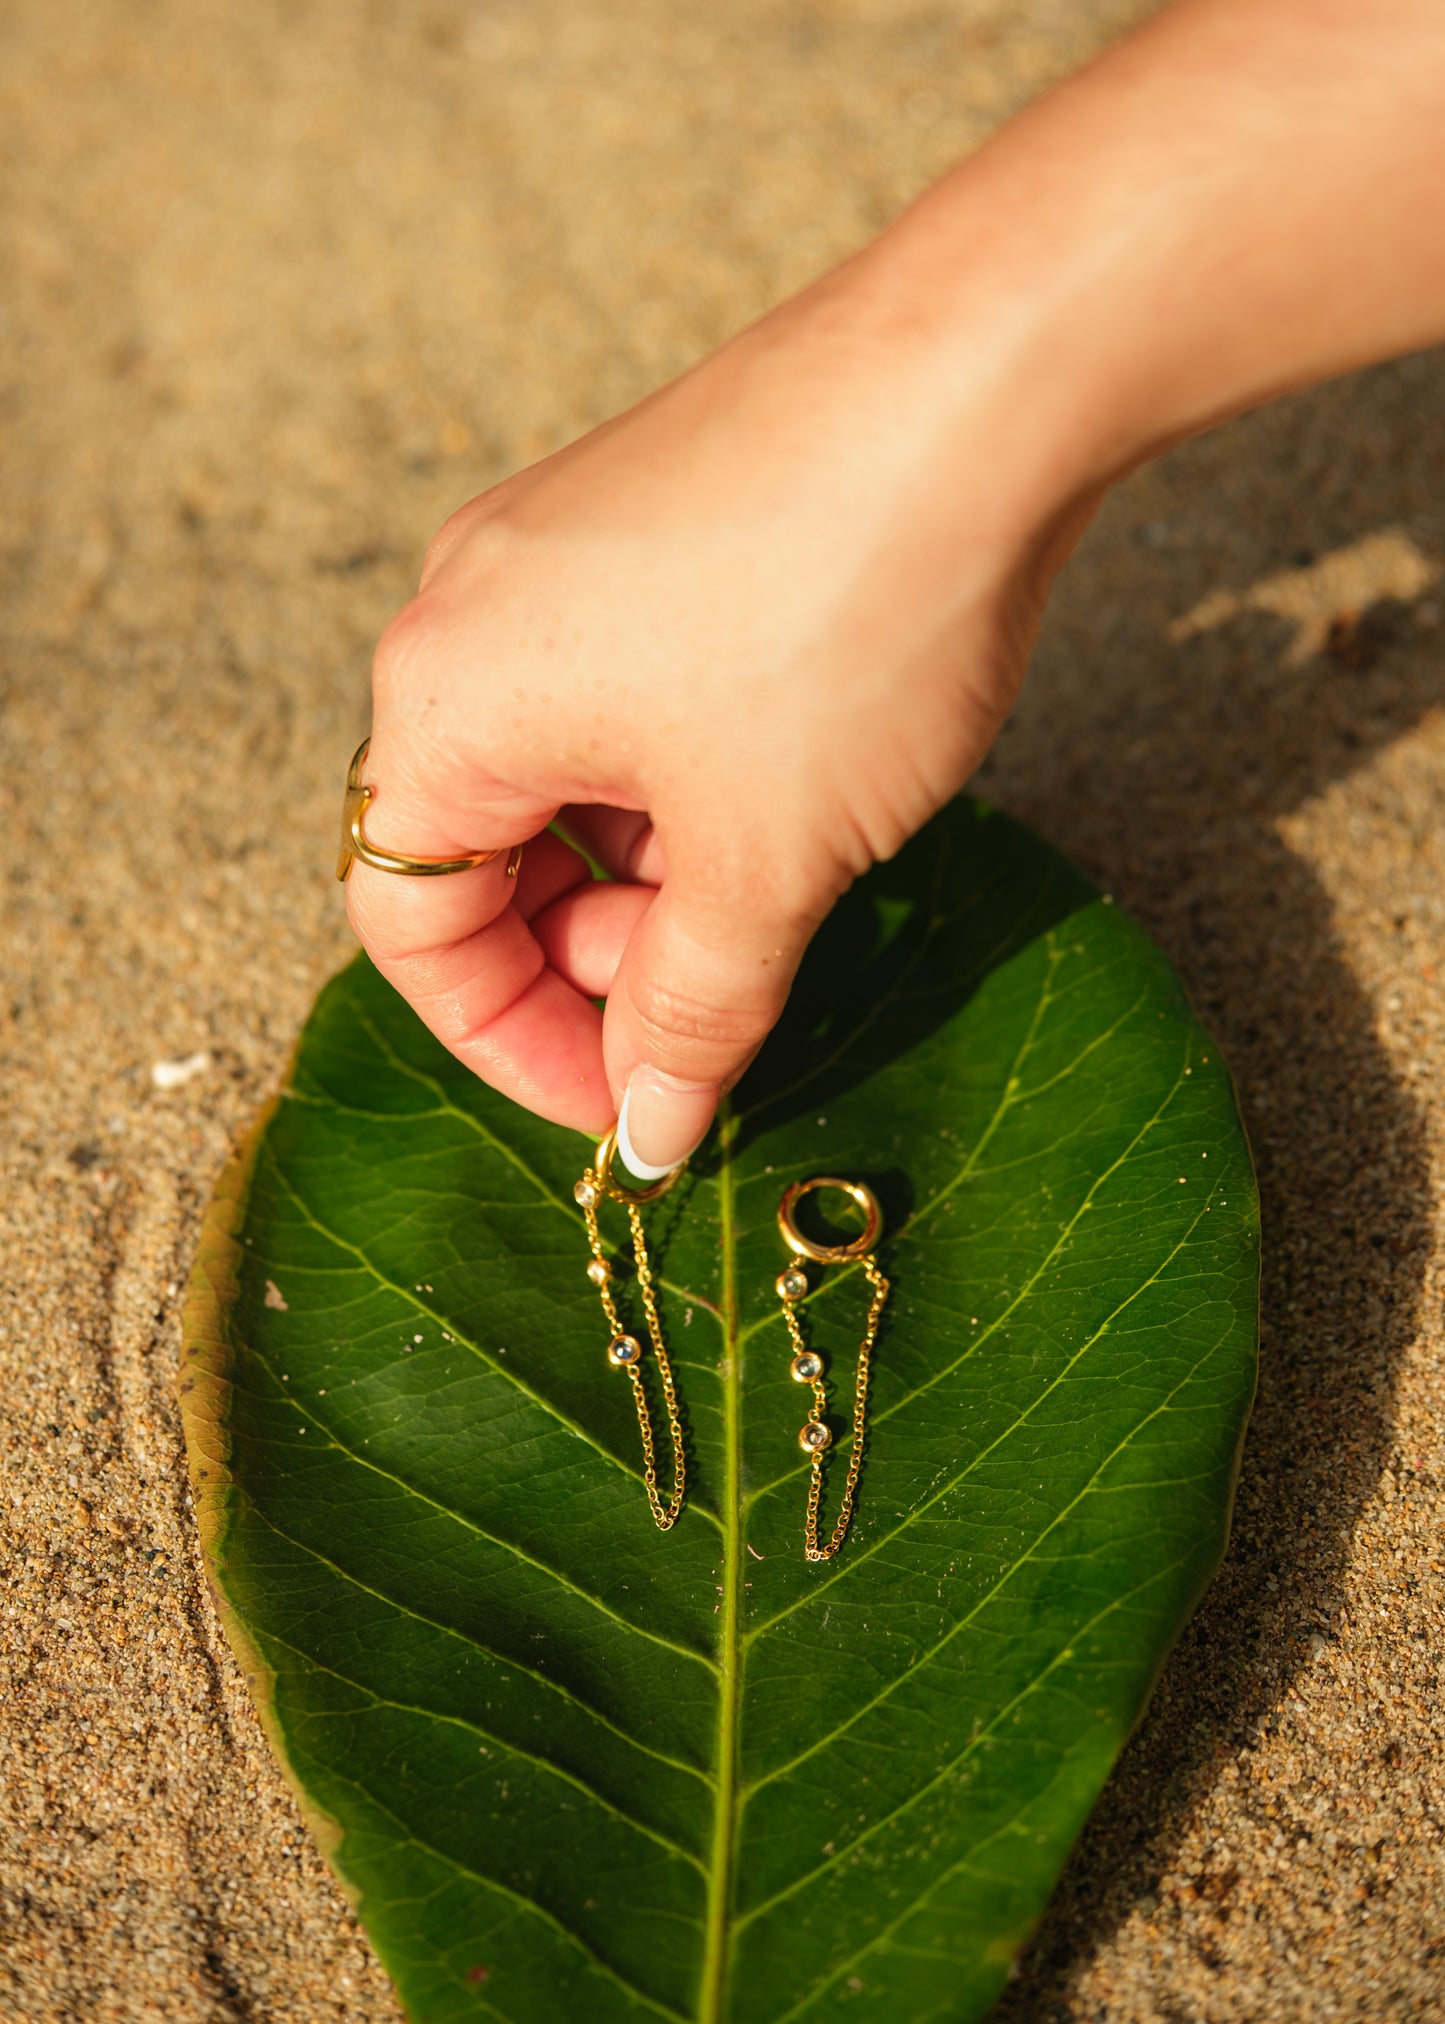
[
  {"x": 829, "y": 1254},
  {"x": 354, "y": 844},
  {"x": 602, "y": 1170}
]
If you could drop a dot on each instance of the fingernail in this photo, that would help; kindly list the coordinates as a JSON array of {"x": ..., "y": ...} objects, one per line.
[{"x": 662, "y": 1121}]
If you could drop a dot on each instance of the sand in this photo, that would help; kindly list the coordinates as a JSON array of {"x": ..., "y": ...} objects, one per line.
[{"x": 284, "y": 284}]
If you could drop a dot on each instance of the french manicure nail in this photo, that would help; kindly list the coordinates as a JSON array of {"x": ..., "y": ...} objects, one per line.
[{"x": 662, "y": 1121}]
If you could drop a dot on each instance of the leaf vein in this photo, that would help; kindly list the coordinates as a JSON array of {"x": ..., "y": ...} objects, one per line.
[
  {"x": 492, "y": 1363},
  {"x": 514, "y": 1750}
]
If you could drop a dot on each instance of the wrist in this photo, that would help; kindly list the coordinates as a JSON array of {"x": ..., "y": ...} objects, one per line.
[{"x": 1242, "y": 198}]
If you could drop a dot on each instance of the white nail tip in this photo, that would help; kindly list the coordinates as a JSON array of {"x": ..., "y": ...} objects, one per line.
[{"x": 643, "y": 1169}]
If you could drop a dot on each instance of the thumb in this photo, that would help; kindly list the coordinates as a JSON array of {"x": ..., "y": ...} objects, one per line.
[{"x": 701, "y": 983}]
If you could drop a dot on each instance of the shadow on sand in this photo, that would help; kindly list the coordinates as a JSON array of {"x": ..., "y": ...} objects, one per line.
[{"x": 1168, "y": 767}]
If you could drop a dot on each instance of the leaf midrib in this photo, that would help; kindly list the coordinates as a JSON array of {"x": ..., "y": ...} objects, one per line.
[
  {"x": 721, "y": 1931},
  {"x": 717, "y": 1937}
]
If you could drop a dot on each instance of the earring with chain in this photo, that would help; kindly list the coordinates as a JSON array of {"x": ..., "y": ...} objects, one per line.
[
  {"x": 624, "y": 1351},
  {"x": 807, "y": 1366}
]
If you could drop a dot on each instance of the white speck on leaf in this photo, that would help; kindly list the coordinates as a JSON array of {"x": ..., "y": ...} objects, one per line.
[{"x": 273, "y": 1295}]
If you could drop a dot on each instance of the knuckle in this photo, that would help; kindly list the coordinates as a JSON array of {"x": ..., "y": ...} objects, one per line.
[
  {"x": 410, "y": 640},
  {"x": 482, "y": 528},
  {"x": 448, "y": 537},
  {"x": 673, "y": 1017}
]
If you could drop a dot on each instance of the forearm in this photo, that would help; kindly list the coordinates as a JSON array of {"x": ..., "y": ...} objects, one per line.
[{"x": 1243, "y": 197}]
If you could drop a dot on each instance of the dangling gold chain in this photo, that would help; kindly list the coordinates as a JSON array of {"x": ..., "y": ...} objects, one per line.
[
  {"x": 624, "y": 1351},
  {"x": 816, "y": 1437}
]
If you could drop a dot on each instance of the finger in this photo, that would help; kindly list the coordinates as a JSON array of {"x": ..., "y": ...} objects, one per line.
[
  {"x": 699, "y": 987},
  {"x": 622, "y": 840},
  {"x": 493, "y": 1001},
  {"x": 549, "y": 869},
  {"x": 544, "y": 1050},
  {"x": 584, "y": 933},
  {"x": 463, "y": 955}
]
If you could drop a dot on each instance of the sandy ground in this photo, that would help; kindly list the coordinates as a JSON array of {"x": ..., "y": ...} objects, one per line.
[{"x": 284, "y": 284}]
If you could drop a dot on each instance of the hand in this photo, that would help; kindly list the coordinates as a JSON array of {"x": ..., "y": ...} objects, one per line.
[{"x": 745, "y": 639}]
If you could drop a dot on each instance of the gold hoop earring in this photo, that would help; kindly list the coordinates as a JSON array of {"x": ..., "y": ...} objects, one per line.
[
  {"x": 624, "y": 1351},
  {"x": 807, "y": 1366}
]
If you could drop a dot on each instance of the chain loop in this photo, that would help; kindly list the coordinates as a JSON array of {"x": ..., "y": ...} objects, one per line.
[
  {"x": 625, "y": 1351},
  {"x": 807, "y": 1368}
]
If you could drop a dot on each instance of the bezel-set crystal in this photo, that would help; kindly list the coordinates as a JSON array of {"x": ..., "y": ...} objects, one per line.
[
  {"x": 585, "y": 1195},
  {"x": 814, "y": 1437},
  {"x": 806, "y": 1367},
  {"x": 623, "y": 1351},
  {"x": 792, "y": 1283}
]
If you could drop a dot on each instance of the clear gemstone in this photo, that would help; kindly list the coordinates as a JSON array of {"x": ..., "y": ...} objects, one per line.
[
  {"x": 792, "y": 1284},
  {"x": 585, "y": 1194},
  {"x": 806, "y": 1366},
  {"x": 623, "y": 1350},
  {"x": 814, "y": 1437},
  {"x": 599, "y": 1271}
]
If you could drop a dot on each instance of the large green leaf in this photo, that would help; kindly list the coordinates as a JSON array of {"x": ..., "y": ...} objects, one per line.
[{"x": 573, "y": 1768}]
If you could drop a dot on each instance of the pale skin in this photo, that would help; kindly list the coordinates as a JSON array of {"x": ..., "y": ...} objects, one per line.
[{"x": 746, "y": 638}]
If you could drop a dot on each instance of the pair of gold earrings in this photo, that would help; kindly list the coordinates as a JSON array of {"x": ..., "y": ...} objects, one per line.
[{"x": 625, "y": 1351}]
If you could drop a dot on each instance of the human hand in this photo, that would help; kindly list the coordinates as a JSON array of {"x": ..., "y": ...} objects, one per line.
[
  {"x": 748, "y": 637},
  {"x": 745, "y": 640}
]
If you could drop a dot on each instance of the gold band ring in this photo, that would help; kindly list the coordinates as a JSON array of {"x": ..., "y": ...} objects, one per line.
[
  {"x": 829, "y": 1254},
  {"x": 354, "y": 845},
  {"x": 602, "y": 1168}
]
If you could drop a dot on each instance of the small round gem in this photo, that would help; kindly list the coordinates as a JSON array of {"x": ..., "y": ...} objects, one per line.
[
  {"x": 792, "y": 1284},
  {"x": 599, "y": 1271},
  {"x": 585, "y": 1194},
  {"x": 806, "y": 1367},
  {"x": 624, "y": 1350},
  {"x": 814, "y": 1437}
]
